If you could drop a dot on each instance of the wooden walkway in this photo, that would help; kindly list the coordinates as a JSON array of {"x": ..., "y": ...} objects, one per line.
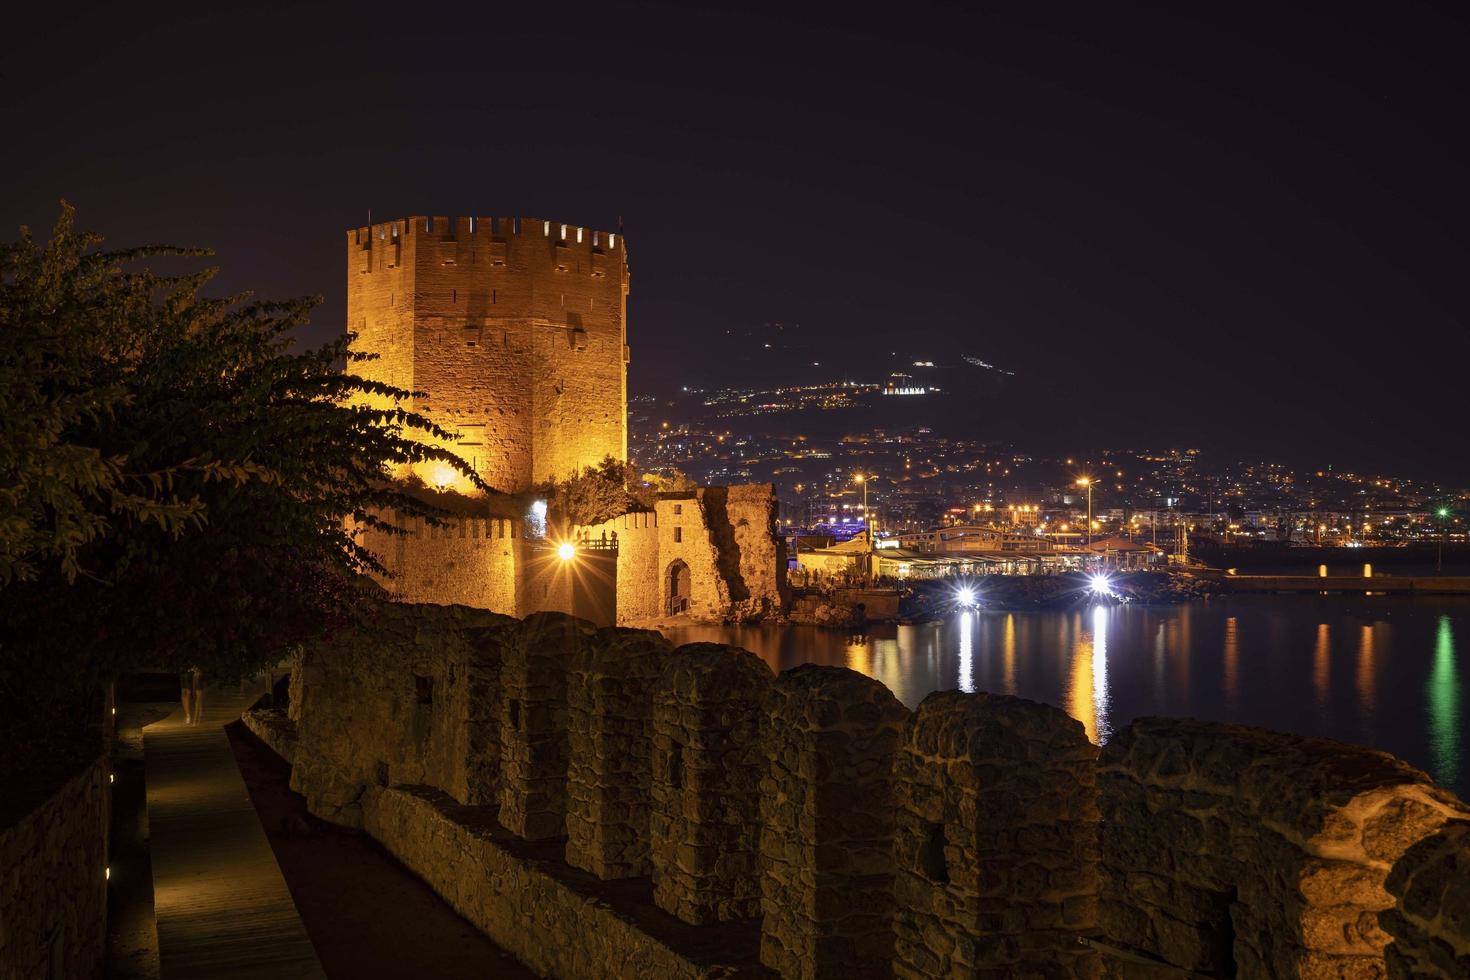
[{"x": 222, "y": 907}]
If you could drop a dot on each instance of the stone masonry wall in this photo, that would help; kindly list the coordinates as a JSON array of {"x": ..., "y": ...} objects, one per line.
[
  {"x": 810, "y": 824},
  {"x": 609, "y": 736},
  {"x": 408, "y": 702},
  {"x": 1230, "y": 849},
  {"x": 996, "y": 840},
  {"x": 471, "y": 562},
  {"x": 522, "y": 904},
  {"x": 1430, "y": 923},
  {"x": 53, "y": 892},
  {"x": 826, "y": 841},
  {"x": 640, "y": 597},
  {"x": 725, "y": 535},
  {"x": 533, "y": 723},
  {"x": 750, "y": 555},
  {"x": 684, "y": 536},
  {"x": 707, "y": 767}
]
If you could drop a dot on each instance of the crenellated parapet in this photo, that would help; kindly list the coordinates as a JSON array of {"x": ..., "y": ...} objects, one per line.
[
  {"x": 1232, "y": 850},
  {"x": 492, "y": 227},
  {"x": 707, "y": 764},
  {"x": 716, "y": 820}
]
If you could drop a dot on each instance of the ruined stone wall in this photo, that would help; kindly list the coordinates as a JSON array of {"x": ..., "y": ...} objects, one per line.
[
  {"x": 1235, "y": 850},
  {"x": 53, "y": 890},
  {"x": 749, "y": 554},
  {"x": 735, "y": 569},
  {"x": 827, "y": 819},
  {"x": 513, "y": 327},
  {"x": 683, "y": 535},
  {"x": 413, "y": 700},
  {"x": 1430, "y": 921},
  {"x": 996, "y": 840},
  {"x": 471, "y": 562},
  {"x": 726, "y": 536}
]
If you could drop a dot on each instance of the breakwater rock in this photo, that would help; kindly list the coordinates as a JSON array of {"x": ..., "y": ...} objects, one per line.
[{"x": 937, "y": 598}]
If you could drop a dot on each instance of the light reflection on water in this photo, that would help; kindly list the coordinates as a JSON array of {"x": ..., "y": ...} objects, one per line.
[
  {"x": 1446, "y": 707},
  {"x": 1379, "y": 671}
]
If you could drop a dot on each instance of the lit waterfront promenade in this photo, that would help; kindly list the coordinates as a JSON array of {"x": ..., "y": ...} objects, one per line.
[
  {"x": 222, "y": 907},
  {"x": 1396, "y": 584}
]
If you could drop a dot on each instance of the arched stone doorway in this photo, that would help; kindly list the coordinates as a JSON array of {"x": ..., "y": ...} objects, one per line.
[{"x": 676, "y": 587}]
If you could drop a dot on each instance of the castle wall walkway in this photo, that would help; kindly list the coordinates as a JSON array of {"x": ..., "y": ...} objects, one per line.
[{"x": 222, "y": 906}]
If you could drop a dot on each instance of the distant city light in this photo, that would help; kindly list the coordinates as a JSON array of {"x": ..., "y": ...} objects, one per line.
[{"x": 1100, "y": 584}]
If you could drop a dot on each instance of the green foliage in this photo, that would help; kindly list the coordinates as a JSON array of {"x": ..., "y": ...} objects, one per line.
[
  {"x": 177, "y": 483},
  {"x": 593, "y": 495}
]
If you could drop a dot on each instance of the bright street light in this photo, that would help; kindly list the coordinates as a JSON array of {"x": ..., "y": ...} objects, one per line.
[
  {"x": 1086, "y": 481},
  {"x": 862, "y": 480}
]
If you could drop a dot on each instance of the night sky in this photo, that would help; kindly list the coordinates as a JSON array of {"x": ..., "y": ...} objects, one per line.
[{"x": 1245, "y": 233}]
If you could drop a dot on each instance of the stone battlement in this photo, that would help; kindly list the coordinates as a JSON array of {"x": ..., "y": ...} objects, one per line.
[
  {"x": 442, "y": 228},
  {"x": 808, "y": 824},
  {"x": 463, "y": 527}
]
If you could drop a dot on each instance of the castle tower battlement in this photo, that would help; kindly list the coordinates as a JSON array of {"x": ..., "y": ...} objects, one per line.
[{"x": 513, "y": 329}]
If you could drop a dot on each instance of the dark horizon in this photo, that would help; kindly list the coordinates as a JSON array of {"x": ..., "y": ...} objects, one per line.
[{"x": 1244, "y": 233}]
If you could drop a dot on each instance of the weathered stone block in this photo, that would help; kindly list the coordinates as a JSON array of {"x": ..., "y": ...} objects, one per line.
[
  {"x": 996, "y": 839},
  {"x": 827, "y": 823},
  {"x": 533, "y": 723},
  {"x": 707, "y": 766},
  {"x": 609, "y": 736},
  {"x": 405, "y": 700},
  {"x": 1272, "y": 849},
  {"x": 1430, "y": 925}
]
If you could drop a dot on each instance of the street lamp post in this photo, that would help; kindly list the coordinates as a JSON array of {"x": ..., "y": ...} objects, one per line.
[
  {"x": 862, "y": 480},
  {"x": 1087, "y": 482},
  {"x": 1443, "y": 513}
]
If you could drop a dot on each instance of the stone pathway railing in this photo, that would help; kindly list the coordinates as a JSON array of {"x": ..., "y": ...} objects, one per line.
[{"x": 979, "y": 835}]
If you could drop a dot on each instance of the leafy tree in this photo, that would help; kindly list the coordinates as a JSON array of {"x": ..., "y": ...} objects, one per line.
[
  {"x": 177, "y": 483},
  {"x": 593, "y": 495}
]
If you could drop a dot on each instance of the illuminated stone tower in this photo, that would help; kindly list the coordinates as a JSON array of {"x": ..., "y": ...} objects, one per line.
[{"x": 515, "y": 330}]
